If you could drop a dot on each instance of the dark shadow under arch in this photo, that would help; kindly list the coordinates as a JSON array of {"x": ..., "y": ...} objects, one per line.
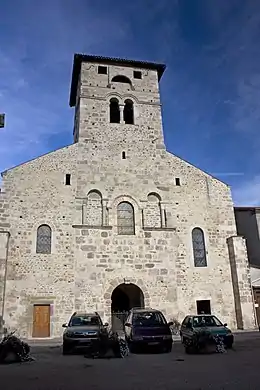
[
  {"x": 114, "y": 111},
  {"x": 121, "y": 79},
  {"x": 129, "y": 112},
  {"x": 125, "y": 297}
]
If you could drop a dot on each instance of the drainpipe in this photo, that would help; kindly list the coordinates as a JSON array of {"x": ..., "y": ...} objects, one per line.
[{"x": 5, "y": 277}]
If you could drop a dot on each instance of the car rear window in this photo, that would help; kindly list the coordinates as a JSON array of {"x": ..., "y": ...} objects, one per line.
[
  {"x": 85, "y": 321},
  {"x": 149, "y": 319}
]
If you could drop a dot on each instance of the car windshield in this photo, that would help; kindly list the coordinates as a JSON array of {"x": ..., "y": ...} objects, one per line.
[
  {"x": 201, "y": 321},
  {"x": 85, "y": 321},
  {"x": 148, "y": 319}
]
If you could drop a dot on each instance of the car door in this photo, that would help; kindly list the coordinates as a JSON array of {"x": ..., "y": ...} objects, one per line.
[
  {"x": 186, "y": 328},
  {"x": 189, "y": 328},
  {"x": 183, "y": 326}
]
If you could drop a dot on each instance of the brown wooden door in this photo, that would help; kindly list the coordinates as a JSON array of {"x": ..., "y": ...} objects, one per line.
[{"x": 41, "y": 321}]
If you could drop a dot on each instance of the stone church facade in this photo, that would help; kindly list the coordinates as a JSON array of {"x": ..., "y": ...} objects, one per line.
[{"x": 114, "y": 220}]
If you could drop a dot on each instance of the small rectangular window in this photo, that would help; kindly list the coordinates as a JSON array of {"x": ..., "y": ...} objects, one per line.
[
  {"x": 102, "y": 70},
  {"x": 67, "y": 179},
  {"x": 123, "y": 156},
  {"x": 177, "y": 181},
  {"x": 137, "y": 74},
  {"x": 203, "y": 307}
]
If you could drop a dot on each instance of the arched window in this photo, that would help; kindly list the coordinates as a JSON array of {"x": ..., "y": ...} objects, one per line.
[
  {"x": 93, "y": 209},
  {"x": 152, "y": 211},
  {"x": 125, "y": 218},
  {"x": 121, "y": 79},
  {"x": 95, "y": 194},
  {"x": 153, "y": 197},
  {"x": 43, "y": 242},
  {"x": 129, "y": 112},
  {"x": 114, "y": 111},
  {"x": 199, "y": 249}
]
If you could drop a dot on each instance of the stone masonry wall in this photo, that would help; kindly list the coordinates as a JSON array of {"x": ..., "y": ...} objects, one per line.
[
  {"x": 244, "y": 302},
  {"x": 4, "y": 241},
  {"x": 88, "y": 262},
  {"x": 152, "y": 215},
  {"x": 38, "y": 195},
  {"x": 200, "y": 200},
  {"x": 92, "y": 212}
]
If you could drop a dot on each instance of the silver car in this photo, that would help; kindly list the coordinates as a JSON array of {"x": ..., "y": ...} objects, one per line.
[{"x": 82, "y": 331}]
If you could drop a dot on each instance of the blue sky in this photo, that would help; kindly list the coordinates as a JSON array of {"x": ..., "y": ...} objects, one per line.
[{"x": 210, "y": 90}]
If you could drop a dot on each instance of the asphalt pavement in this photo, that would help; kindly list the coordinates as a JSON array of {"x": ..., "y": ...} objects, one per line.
[{"x": 237, "y": 369}]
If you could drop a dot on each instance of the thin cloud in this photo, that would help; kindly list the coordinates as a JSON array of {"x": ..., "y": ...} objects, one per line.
[
  {"x": 210, "y": 89},
  {"x": 35, "y": 71},
  {"x": 248, "y": 193}
]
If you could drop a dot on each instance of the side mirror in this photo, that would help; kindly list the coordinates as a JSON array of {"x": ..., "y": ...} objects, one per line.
[
  {"x": 127, "y": 324},
  {"x": 225, "y": 325},
  {"x": 106, "y": 324},
  {"x": 170, "y": 323},
  {"x": 64, "y": 325}
]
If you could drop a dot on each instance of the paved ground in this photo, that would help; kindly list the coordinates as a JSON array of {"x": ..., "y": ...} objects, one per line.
[{"x": 237, "y": 369}]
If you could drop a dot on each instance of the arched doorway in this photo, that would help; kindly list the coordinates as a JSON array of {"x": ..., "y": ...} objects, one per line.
[{"x": 123, "y": 298}]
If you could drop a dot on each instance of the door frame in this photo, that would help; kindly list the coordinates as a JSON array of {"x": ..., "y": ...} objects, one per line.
[{"x": 40, "y": 301}]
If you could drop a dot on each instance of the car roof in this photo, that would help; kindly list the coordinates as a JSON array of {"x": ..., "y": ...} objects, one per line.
[
  {"x": 200, "y": 315},
  {"x": 144, "y": 310},
  {"x": 81, "y": 314}
]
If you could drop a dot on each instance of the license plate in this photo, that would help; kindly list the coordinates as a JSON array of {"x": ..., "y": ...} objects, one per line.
[{"x": 154, "y": 343}]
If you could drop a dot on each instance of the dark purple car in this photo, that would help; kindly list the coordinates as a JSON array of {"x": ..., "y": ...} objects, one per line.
[{"x": 148, "y": 327}]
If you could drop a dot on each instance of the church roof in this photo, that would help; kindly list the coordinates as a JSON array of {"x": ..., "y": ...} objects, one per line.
[{"x": 79, "y": 58}]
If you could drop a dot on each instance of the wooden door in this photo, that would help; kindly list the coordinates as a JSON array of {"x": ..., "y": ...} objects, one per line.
[{"x": 41, "y": 321}]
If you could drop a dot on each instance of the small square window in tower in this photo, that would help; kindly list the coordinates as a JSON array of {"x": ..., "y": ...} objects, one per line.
[
  {"x": 102, "y": 69},
  {"x": 123, "y": 156},
  {"x": 203, "y": 307},
  {"x": 177, "y": 181},
  {"x": 137, "y": 74},
  {"x": 67, "y": 179}
]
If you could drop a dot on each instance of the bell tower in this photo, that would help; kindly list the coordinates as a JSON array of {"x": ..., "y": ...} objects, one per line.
[{"x": 117, "y": 104}]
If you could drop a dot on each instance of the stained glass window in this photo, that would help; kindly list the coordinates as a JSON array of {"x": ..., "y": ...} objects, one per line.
[
  {"x": 43, "y": 244},
  {"x": 125, "y": 218},
  {"x": 199, "y": 250}
]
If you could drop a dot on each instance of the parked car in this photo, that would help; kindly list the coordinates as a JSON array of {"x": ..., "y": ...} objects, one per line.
[
  {"x": 148, "y": 327},
  {"x": 83, "y": 330},
  {"x": 211, "y": 323}
]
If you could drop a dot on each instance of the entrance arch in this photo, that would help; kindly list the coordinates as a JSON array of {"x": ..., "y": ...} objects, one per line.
[{"x": 124, "y": 297}]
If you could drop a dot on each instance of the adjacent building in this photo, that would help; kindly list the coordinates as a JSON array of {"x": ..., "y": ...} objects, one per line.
[{"x": 248, "y": 226}]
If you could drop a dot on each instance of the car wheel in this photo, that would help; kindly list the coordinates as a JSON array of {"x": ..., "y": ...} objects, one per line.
[
  {"x": 123, "y": 349},
  {"x": 188, "y": 350},
  {"x": 131, "y": 346},
  {"x": 65, "y": 350},
  {"x": 229, "y": 345},
  {"x": 168, "y": 348}
]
